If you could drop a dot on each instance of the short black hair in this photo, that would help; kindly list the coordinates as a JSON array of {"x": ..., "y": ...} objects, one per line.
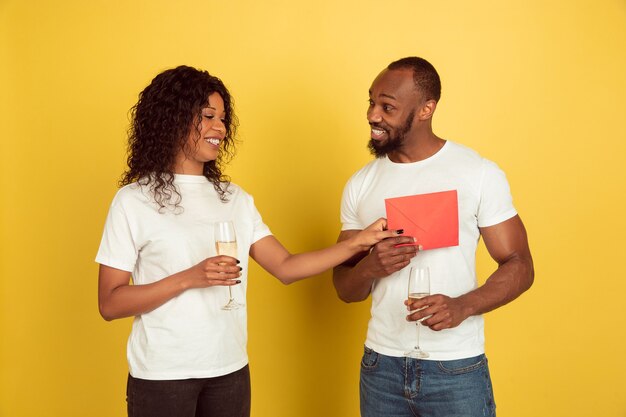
[{"x": 425, "y": 76}]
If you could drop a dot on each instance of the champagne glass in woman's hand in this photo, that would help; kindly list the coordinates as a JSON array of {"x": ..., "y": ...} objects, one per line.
[
  {"x": 226, "y": 244},
  {"x": 419, "y": 287}
]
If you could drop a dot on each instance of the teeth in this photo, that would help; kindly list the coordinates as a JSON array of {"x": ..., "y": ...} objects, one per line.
[
  {"x": 378, "y": 132},
  {"x": 213, "y": 141}
]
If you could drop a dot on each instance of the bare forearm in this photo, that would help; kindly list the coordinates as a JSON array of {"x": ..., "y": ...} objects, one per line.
[
  {"x": 351, "y": 283},
  {"x": 508, "y": 282},
  {"x": 133, "y": 300},
  {"x": 296, "y": 267}
]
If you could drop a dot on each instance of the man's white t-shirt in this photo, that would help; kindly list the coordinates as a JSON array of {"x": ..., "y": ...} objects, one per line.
[
  {"x": 484, "y": 200},
  {"x": 189, "y": 336}
]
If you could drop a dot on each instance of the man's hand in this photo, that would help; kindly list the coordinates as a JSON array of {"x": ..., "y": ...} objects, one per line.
[
  {"x": 354, "y": 278},
  {"x": 441, "y": 311},
  {"x": 385, "y": 258}
]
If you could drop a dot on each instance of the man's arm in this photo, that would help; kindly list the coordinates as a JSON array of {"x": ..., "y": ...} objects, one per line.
[
  {"x": 507, "y": 244},
  {"x": 354, "y": 278}
]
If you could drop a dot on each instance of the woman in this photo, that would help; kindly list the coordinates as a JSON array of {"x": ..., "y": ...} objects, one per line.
[{"x": 187, "y": 356}]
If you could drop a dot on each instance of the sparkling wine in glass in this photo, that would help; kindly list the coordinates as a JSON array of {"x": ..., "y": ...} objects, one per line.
[
  {"x": 419, "y": 287},
  {"x": 226, "y": 244}
]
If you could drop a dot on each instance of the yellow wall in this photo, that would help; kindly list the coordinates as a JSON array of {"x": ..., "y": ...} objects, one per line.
[{"x": 537, "y": 86}]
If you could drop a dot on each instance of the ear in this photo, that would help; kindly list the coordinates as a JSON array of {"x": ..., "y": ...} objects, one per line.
[{"x": 427, "y": 110}]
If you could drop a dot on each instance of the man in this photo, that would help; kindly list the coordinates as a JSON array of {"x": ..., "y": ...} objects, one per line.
[{"x": 410, "y": 159}]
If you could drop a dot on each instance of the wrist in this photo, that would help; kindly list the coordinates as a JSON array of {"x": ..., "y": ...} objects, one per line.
[
  {"x": 467, "y": 306},
  {"x": 182, "y": 281},
  {"x": 351, "y": 245},
  {"x": 364, "y": 272}
]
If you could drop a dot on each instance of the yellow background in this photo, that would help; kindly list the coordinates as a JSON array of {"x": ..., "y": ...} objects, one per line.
[{"x": 537, "y": 86}]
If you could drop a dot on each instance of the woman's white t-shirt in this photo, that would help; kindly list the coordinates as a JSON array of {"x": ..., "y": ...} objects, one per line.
[{"x": 189, "y": 336}]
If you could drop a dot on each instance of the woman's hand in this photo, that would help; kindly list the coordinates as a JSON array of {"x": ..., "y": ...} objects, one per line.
[
  {"x": 373, "y": 234},
  {"x": 218, "y": 270},
  {"x": 117, "y": 298}
]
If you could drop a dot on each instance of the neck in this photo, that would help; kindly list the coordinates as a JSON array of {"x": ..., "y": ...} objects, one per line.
[
  {"x": 187, "y": 166},
  {"x": 417, "y": 148}
]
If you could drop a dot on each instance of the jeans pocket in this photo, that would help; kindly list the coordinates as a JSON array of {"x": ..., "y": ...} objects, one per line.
[
  {"x": 462, "y": 366},
  {"x": 370, "y": 359}
]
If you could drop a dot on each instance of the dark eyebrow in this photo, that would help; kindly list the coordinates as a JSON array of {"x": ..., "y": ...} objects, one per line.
[{"x": 384, "y": 95}]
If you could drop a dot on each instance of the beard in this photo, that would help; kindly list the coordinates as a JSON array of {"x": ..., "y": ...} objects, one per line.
[{"x": 394, "y": 142}]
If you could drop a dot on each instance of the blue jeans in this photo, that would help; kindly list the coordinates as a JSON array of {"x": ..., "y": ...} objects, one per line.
[
  {"x": 407, "y": 387},
  {"x": 222, "y": 396}
]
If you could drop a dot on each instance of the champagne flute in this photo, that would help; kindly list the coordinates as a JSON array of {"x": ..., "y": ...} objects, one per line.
[
  {"x": 226, "y": 244},
  {"x": 419, "y": 287}
]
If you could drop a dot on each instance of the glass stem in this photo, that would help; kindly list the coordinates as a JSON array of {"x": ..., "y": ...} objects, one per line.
[
  {"x": 417, "y": 334},
  {"x": 230, "y": 292}
]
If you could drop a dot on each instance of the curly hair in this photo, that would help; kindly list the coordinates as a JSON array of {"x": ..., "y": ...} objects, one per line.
[{"x": 161, "y": 122}]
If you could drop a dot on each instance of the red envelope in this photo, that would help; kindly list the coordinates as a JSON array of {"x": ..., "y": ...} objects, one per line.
[{"x": 433, "y": 219}]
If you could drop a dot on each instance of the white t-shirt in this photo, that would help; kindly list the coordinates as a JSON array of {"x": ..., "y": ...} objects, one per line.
[
  {"x": 484, "y": 200},
  {"x": 189, "y": 336}
]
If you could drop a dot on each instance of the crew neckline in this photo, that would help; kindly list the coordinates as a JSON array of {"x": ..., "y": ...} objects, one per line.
[
  {"x": 193, "y": 179},
  {"x": 431, "y": 158}
]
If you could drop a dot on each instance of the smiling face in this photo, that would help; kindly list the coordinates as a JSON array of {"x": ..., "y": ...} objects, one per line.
[
  {"x": 205, "y": 137},
  {"x": 393, "y": 103}
]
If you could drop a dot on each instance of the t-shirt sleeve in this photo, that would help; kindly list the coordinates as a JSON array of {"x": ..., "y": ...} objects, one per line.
[
  {"x": 349, "y": 218},
  {"x": 496, "y": 203},
  {"x": 117, "y": 248},
  {"x": 260, "y": 229}
]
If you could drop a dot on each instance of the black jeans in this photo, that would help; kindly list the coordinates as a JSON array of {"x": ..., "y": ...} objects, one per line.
[{"x": 222, "y": 396}]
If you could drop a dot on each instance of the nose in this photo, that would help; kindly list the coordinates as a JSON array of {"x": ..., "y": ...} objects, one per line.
[
  {"x": 373, "y": 116},
  {"x": 219, "y": 126}
]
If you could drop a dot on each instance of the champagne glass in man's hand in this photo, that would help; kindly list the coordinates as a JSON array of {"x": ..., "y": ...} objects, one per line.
[{"x": 419, "y": 287}]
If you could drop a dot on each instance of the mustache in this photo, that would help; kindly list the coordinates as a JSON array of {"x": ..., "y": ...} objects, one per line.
[{"x": 379, "y": 126}]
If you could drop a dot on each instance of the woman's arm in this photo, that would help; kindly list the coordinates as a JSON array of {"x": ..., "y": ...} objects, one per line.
[
  {"x": 117, "y": 298},
  {"x": 274, "y": 258}
]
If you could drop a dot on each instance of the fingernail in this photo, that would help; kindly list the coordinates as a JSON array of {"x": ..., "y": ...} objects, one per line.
[
  {"x": 399, "y": 231},
  {"x": 238, "y": 282},
  {"x": 420, "y": 247},
  {"x": 238, "y": 261},
  {"x": 240, "y": 268}
]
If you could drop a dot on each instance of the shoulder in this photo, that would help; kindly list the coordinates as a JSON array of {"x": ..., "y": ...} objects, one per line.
[
  {"x": 463, "y": 153},
  {"x": 235, "y": 194},
  {"x": 468, "y": 158},
  {"x": 130, "y": 193}
]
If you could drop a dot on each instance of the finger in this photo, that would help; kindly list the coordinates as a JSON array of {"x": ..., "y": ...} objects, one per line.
[
  {"x": 223, "y": 276},
  {"x": 438, "y": 321},
  {"x": 386, "y": 234},
  {"x": 224, "y": 282},
  {"x": 222, "y": 268},
  {"x": 416, "y": 304},
  {"x": 225, "y": 259},
  {"x": 419, "y": 315},
  {"x": 380, "y": 224},
  {"x": 399, "y": 259},
  {"x": 404, "y": 240},
  {"x": 232, "y": 269},
  {"x": 391, "y": 244}
]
